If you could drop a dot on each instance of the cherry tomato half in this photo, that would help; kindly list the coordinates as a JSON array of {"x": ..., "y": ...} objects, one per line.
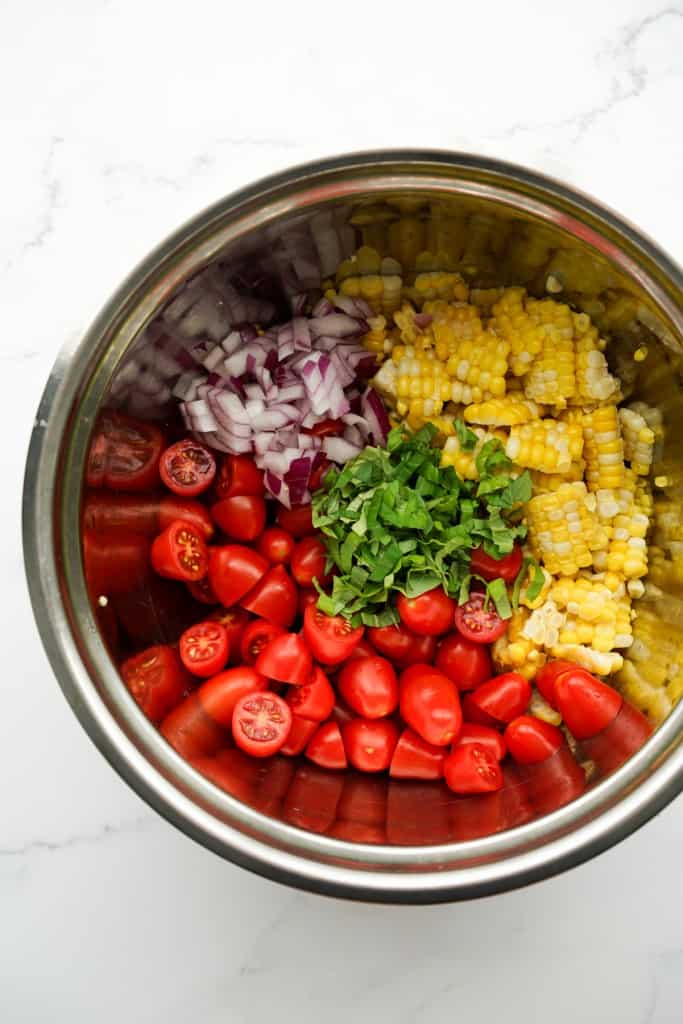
[
  {"x": 124, "y": 453},
  {"x": 180, "y": 553},
  {"x": 202, "y": 592},
  {"x": 472, "y": 769},
  {"x": 587, "y": 706},
  {"x": 369, "y": 686},
  {"x": 330, "y": 638},
  {"x": 506, "y": 568},
  {"x": 299, "y": 735},
  {"x": 219, "y": 695},
  {"x": 326, "y": 747},
  {"x": 261, "y": 723},
  {"x": 429, "y": 614},
  {"x": 274, "y": 597},
  {"x": 314, "y": 700},
  {"x": 308, "y": 562},
  {"x": 401, "y": 646},
  {"x": 530, "y": 740},
  {"x": 430, "y": 704},
  {"x": 187, "y": 468},
  {"x": 276, "y": 545},
  {"x": 478, "y": 623},
  {"x": 238, "y": 474},
  {"x": 156, "y": 679},
  {"x": 286, "y": 659},
  {"x": 546, "y": 676},
  {"x": 234, "y": 621},
  {"x": 241, "y": 517},
  {"x": 204, "y": 648},
  {"x": 488, "y": 738},
  {"x": 465, "y": 662},
  {"x": 256, "y": 636},
  {"x": 370, "y": 743},
  {"x": 297, "y": 520},
  {"x": 233, "y": 570},
  {"x": 502, "y": 698},
  {"x": 414, "y": 758}
]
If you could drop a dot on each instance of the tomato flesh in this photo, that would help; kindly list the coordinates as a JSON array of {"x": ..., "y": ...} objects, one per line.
[
  {"x": 314, "y": 700},
  {"x": 430, "y": 704},
  {"x": 242, "y": 517},
  {"x": 156, "y": 679},
  {"x": 234, "y": 621},
  {"x": 472, "y": 769},
  {"x": 287, "y": 659},
  {"x": 326, "y": 747},
  {"x": 477, "y": 622},
  {"x": 204, "y": 648},
  {"x": 369, "y": 686},
  {"x": 256, "y": 636},
  {"x": 465, "y": 662},
  {"x": 261, "y": 723},
  {"x": 180, "y": 553},
  {"x": 430, "y": 614},
  {"x": 330, "y": 638},
  {"x": 506, "y": 568},
  {"x": 187, "y": 468}
]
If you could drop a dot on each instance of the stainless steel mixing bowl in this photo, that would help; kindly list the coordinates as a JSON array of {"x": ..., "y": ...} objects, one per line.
[{"x": 493, "y": 222}]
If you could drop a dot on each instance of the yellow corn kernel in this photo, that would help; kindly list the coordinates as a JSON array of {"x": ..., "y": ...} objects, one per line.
[
  {"x": 539, "y": 708},
  {"x": 502, "y": 412},
  {"x": 542, "y": 483},
  {"x": 639, "y": 441},
  {"x": 564, "y": 530},
  {"x": 594, "y": 382},
  {"x": 603, "y": 448},
  {"x": 512, "y": 322},
  {"x": 377, "y": 339},
  {"x": 436, "y": 284},
  {"x": 552, "y": 377},
  {"x": 599, "y": 662},
  {"x": 465, "y": 462},
  {"x": 546, "y": 445},
  {"x": 516, "y": 651}
]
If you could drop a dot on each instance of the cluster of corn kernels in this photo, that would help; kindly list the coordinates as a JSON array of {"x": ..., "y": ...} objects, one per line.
[{"x": 652, "y": 674}]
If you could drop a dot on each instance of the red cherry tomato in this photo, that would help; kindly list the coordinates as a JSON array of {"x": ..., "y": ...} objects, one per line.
[
  {"x": 485, "y": 736},
  {"x": 478, "y": 623},
  {"x": 465, "y": 662},
  {"x": 234, "y": 621},
  {"x": 180, "y": 553},
  {"x": 370, "y": 743},
  {"x": 204, "y": 648},
  {"x": 414, "y": 758},
  {"x": 308, "y": 562},
  {"x": 325, "y": 428},
  {"x": 330, "y": 638},
  {"x": 430, "y": 704},
  {"x": 261, "y": 723},
  {"x": 234, "y": 570},
  {"x": 587, "y": 706},
  {"x": 286, "y": 659},
  {"x": 219, "y": 695},
  {"x": 276, "y": 545},
  {"x": 369, "y": 686},
  {"x": 318, "y": 474},
  {"x": 299, "y": 735},
  {"x": 202, "y": 592},
  {"x": 171, "y": 507},
  {"x": 401, "y": 646},
  {"x": 255, "y": 637},
  {"x": 238, "y": 475},
  {"x": 298, "y": 520},
  {"x": 241, "y": 517},
  {"x": 506, "y": 568},
  {"x": 326, "y": 747},
  {"x": 314, "y": 700},
  {"x": 504, "y": 697},
  {"x": 156, "y": 679},
  {"x": 124, "y": 453},
  {"x": 429, "y": 614},
  {"x": 530, "y": 740},
  {"x": 362, "y": 650},
  {"x": 105, "y": 510},
  {"x": 307, "y": 595},
  {"x": 274, "y": 597},
  {"x": 187, "y": 468},
  {"x": 472, "y": 769},
  {"x": 115, "y": 562},
  {"x": 546, "y": 676},
  {"x": 191, "y": 732},
  {"x": 475, "y": 716}
]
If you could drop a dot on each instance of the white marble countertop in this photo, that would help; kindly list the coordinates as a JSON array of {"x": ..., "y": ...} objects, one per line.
[{"x": 120, "y": 120}]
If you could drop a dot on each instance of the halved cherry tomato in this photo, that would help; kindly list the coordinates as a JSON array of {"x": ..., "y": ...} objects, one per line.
[
  {"x": 478, "y": 623},
  {"x": 233, "y": 570},
  {"x": 204, "y": 648},
  {"x": 530, "y": 740},
  {"x": 472, "y": 769},
  {"x": 187, "y": 468},
  {"x": 297, "y": 520},
  {"x": 326, "y": 747},
  {"x": 318, "y": 474},
  {"x": 261, "y": 723},
  {"x": 202, "y": 592},
  {"x": 115, "y": 562},
  {"x": 235, "y": 622},
  {"x": 241, "y": 517},
  {"x": 191, "y": 732},
  {"x": 276, "y": 545},
  {"x": 429, "y": 614},
  {"x": 546, "y": 676},
  {"x": 504, "y": 697},
  {"x": 414, "y": 758},
  {"x": 506, "y": 568},
  {"x": 370, "y": 743},
  {"x": 401, "y": 646},
  {"x": 308, "y": 562},
  {"x": 274, "y": 597},
  {"x": 307, "y": 595},
  {"x": 330, "y": 638},
  {"x": 485, "y": 736},
  {"x": 314, "y": 700},
  {"x": 219, "y": 695},
  {"x": 287, "y": 659},
  {"x": 465, "y": 662},
  {"x": 238, "y": 474},
  {"x": 325, "y": 428},
  {"x": 124, "y": 453},
  {"x": 256, "y": 636},
  {"x": 299, "y": 735},
  {"x": 369, "y": 686},
  {"x": 105, "y": 510},
  {"x": 156, "y": 679},
  {"x": 430, "y": 704},
  {"x": 180, "y": 552},
  {"x": 587, "y": 706}
]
